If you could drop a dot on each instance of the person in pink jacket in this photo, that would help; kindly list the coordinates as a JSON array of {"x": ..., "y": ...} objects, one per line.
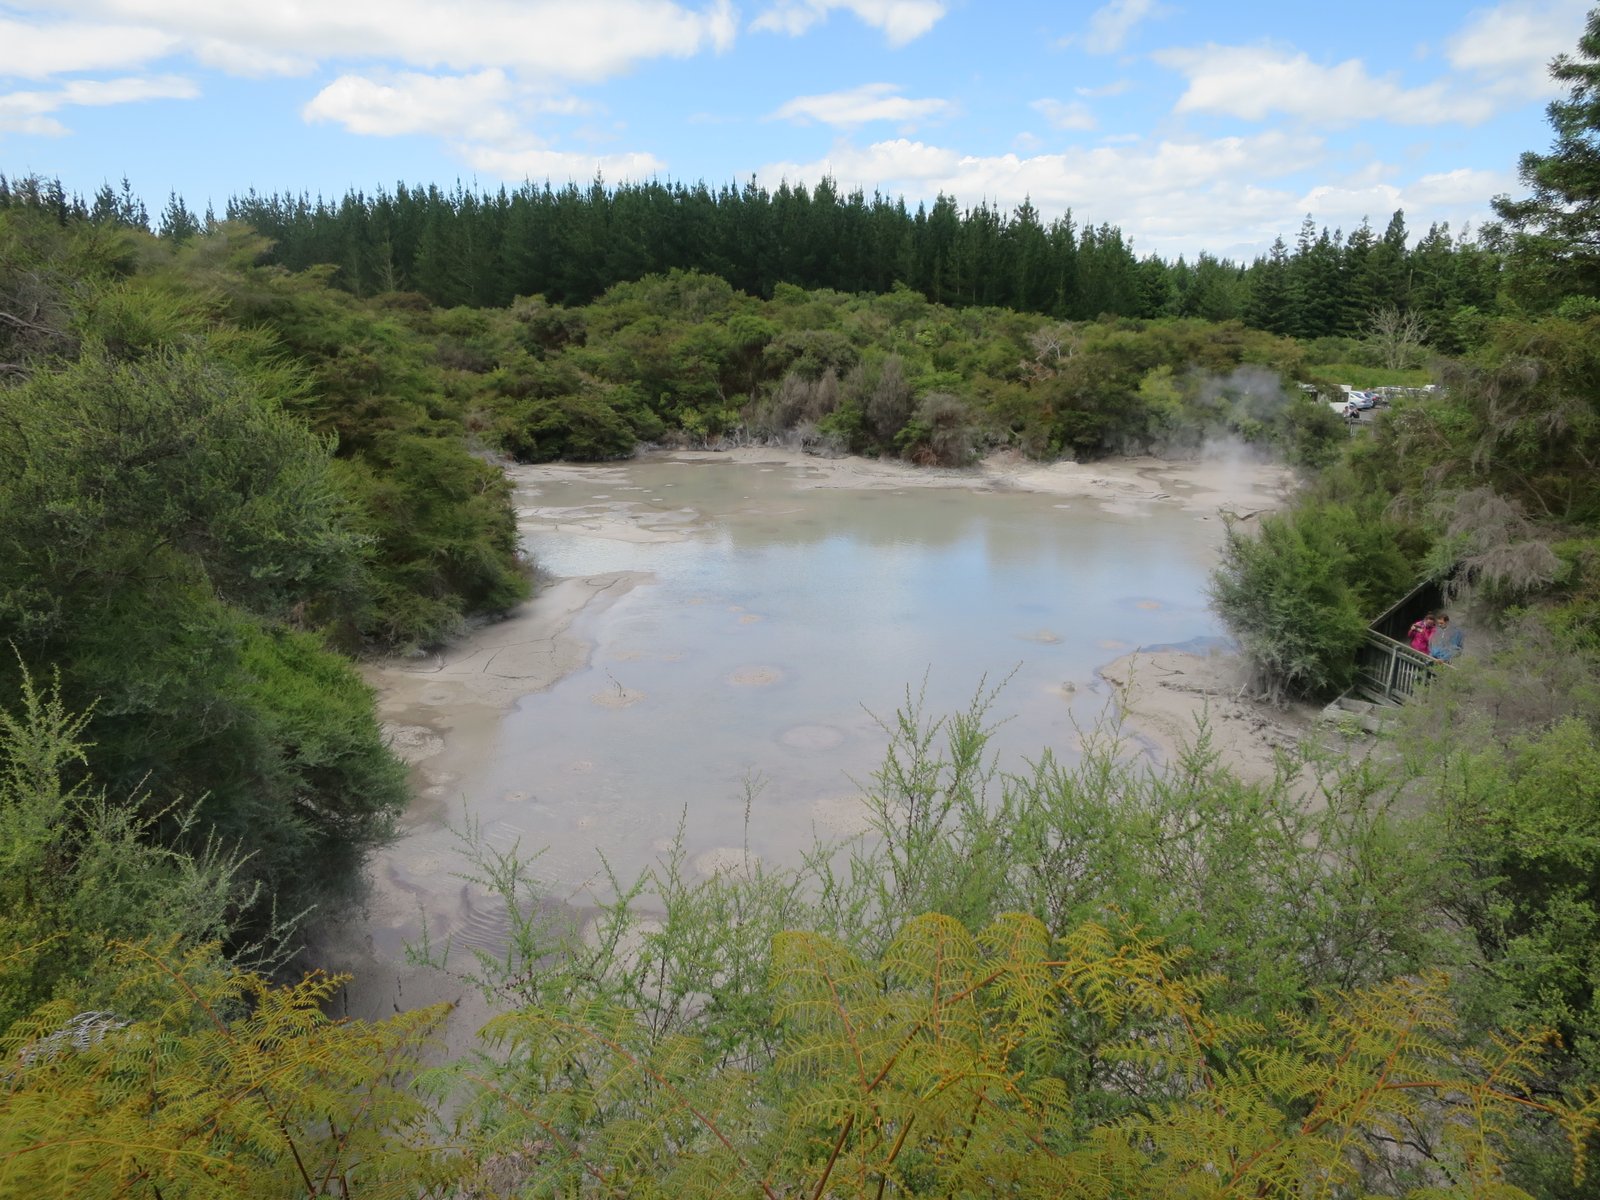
[{"x": 1421, "y": 633}]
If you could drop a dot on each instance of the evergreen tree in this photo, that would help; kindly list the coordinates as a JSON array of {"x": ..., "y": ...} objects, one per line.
[
  {"x": 1302, "y": 287},
  {"x": 1269, "y": 303},
  {"x": 943, "y": 270},
  {"x": 1063, "y": 265},
  {"x": 1554, "y": 233},
  {"x": 178, "y": 224},
  {"x": 1388, "y": 272},
  {"x": 1027, "y": 254},
  {"x": 1108, "y": 274},
  {"x": 1435, "y": 295},
  {"x": 1158, "y": 290},
  {"x": 569, "y": 245},
  {"x": 1358, "y": 297},
  {"x": 1216, "y": 291}
]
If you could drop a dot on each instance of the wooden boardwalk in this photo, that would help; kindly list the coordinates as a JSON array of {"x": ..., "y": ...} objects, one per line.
[{"x": 1388, "y": 671}]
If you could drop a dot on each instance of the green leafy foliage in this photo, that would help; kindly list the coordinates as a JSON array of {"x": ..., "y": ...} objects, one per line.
[
  {"x": 1298, "y": 593},
  {"x": 165, "y": 523},
  {"x": 576, "y": 428},
  {"x": 1159, "y": 1017},
  {"x": 78, "y": 868},
  {"x": 111, "y": 464},
  {"x": 441, "y": 536},
  {"x": 199, "y": 1080},
  {"x": 933, "y": 1070},
  {"x": 1551, "y": 232},
  {"x": 574, "y": 243}
]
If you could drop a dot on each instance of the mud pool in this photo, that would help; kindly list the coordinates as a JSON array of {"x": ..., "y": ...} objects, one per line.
[
  {"x": 719, "y": 637},
  {"x": 765, "y": 643}
]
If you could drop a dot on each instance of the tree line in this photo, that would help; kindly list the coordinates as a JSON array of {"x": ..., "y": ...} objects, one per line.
[{"x": 570, "y": 244}]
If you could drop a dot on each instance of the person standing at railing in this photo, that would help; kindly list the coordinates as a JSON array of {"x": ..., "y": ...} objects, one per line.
[
  {"x": 1420, "y": 635},
  {"x": 1448, "y": 640}
]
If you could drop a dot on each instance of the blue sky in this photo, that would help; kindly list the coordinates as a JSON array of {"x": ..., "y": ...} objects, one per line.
[{"x": 1191, "y": 125}]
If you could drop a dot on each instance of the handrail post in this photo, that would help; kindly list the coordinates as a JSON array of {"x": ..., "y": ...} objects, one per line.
[{"x": 1395, "y": 678}]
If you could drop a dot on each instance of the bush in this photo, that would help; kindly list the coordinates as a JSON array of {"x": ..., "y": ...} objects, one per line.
[
  {"x": 77, "y": 867},
  {"x": 582, "y": 428},
  {"x": 1299, "y": 594},
  {"x": 941, "y": 433}
]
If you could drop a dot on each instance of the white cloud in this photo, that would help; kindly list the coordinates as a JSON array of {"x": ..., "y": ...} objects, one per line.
[
  {"x": 464, "y": 107},
  {"x": 485, "y": 108},
  {"x": 1114, "y": 88},
  {"x": 1460, "y": 197},
  {"x": 538, "y": 163},
  {"x": 1171, "y": 196},
  {"x": 1461, "y": 187},
  {"x": 124, "y": 91},
  {"x": 869, "y": 102},
  {"x": 877, "y": 165},
  {"x": 1071, "y": 175},
  {"x": 1252, "y": 82},
  {"x": 1510, "y": 45},
  {"x": 1070, "y": 114},
  {"x": 40, "y": 51},
  {"x": 542, "y": 38},
  {"x": 26, "y": 112},
  {"x": 1110, "y": 26},
  {"x": 901, "y": 21},
  {"x": 34, "y": 126},
  {"x": 1228, "y": 196},
  {"x": 232, "y": 58},
  {"x": 1345, "y": 205}
]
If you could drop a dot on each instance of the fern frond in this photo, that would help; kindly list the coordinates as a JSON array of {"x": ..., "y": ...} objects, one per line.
[{"x": 221, "y": 1085}]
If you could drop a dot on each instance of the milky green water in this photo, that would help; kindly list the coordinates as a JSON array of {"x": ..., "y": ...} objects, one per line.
[{"x": 781, "y": 618}]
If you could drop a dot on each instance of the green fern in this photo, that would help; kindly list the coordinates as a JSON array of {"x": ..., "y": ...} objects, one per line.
[
  {"x": 932, "y": 1071},
  {"x": 224, "y": 1086}
]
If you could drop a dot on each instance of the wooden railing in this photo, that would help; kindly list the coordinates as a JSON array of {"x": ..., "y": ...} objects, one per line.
[{"x": 1389, "y": 671}]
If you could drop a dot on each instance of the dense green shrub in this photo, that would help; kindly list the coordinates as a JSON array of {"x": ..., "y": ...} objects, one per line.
[
  {"x": 1299, "y": 592},
  {"x": 581, "y": 428},
  {"x": 437, "y": 518},
  {"x": 165, "y": 522},
  {"x": 77, "y": 867}
]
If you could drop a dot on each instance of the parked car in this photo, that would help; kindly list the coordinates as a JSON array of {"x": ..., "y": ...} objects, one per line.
[{"x": 1363, "y": 400}]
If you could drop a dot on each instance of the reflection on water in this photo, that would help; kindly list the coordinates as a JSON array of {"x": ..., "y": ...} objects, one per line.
[{"x": 778, "y": 619}]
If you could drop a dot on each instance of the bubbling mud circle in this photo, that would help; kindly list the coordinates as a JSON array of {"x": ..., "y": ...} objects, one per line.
[
  {"x": 728, "y": 861},
  {"x": 842, "y": 816},
  {"x": 412, "y": 744},
  {"x": 755, "y": 676},
  {"x": 812, "y": 737},
  {"x": 1043, "y": 636}
]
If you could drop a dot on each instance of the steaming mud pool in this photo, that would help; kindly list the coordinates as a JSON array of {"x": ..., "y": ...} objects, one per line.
[{"x": 718, "y": 639}]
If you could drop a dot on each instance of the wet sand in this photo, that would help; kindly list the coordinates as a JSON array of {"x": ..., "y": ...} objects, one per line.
[
  {"x": 443, "y": 710},
  {"x": 1207, "y": 487},
  {"x": 1165, "y": 696}
]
